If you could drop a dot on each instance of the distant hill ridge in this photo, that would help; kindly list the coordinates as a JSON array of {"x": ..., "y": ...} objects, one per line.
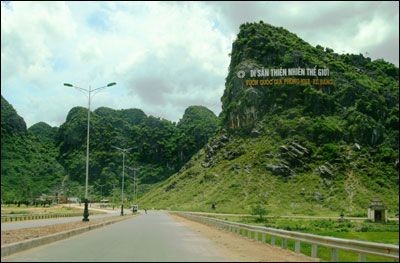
[{"x": 50, "y": 160}]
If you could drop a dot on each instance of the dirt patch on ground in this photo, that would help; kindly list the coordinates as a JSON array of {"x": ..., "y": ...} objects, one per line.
[
  {"x": 241, "y": 248},
  {"x": 17, "y": 235}
]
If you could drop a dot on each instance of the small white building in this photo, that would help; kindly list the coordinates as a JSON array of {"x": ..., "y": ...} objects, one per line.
[{"x": 377, "y": 211}]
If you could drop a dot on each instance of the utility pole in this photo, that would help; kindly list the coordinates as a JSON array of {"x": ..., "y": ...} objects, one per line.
[
  {"x": 124, "y": 151},
  {"x": 89, "y": 93}
]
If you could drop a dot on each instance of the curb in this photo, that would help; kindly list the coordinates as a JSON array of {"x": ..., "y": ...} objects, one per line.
[{"x": 12, "y": 248}]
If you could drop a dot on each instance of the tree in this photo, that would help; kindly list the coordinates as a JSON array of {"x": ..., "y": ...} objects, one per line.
[{"x": 259, "y": 210}]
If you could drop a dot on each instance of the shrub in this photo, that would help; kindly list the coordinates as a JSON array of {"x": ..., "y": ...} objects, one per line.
[{"x": 260, "y": 211}]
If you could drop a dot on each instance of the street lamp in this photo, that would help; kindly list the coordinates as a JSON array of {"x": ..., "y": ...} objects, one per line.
[
  {"x": 135, "y": 186},
  {"x": 89, "y": 93},
  {"x": 124, "y": 151}
]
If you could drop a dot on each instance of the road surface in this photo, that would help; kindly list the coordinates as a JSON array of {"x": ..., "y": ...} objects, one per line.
[{"x": 149, "y": 237}]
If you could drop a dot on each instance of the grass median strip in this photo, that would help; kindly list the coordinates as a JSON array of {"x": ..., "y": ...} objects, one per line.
[{"x": 18, "y": 235}]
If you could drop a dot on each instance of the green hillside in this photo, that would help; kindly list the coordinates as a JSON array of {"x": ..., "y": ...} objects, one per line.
[
  {"x": 161, "y": 147},
  {"x": 52, "y": 160},
  {"x": 28, "y": 163},
  {"x": 295, "y": 148},
  {"x": 44, "y": 132}
]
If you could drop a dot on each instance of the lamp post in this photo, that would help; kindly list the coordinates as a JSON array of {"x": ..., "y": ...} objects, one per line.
[
  {"x": 134, "y": 182},
  {"x": 89, "y": 93},
  {"x": 124, "y": 151}
]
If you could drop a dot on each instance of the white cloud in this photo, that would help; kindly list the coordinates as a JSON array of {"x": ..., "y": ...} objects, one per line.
[
  {"x": 89, "y": 51},
  {"x": 372, "y": 33},
  {"x": 355, "y": 26},
  {"x": 163, "y": 56},
  {"x": 31, "y": 34}
]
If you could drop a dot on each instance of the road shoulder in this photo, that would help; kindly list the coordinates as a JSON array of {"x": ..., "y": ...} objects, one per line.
[{"x": 242, "y": 249}]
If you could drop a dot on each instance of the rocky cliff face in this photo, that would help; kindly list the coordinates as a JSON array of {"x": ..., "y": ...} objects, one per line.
[{"x": 363, "y": 93}]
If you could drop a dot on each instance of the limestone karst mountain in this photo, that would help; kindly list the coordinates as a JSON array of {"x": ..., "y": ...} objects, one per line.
[{"x": 296, "y": 143}]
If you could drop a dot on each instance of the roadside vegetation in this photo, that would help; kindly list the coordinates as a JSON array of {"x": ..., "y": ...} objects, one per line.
[{"x": 363, "y": 230}]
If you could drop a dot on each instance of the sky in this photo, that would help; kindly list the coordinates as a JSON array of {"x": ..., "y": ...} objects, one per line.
[{"x": 164, "y": 56}]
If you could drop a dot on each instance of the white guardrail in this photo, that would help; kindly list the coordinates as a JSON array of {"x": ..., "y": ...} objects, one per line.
[{"x": 361, "y": 247}]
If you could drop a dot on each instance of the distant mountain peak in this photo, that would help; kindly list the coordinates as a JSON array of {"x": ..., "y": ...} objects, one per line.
[{"x": 11, "y": 122}]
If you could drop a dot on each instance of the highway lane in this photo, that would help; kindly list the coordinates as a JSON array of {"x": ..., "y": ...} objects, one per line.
[{"x": 149, "y": 237}]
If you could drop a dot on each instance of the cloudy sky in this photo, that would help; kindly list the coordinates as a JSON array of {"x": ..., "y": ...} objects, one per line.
[{"x": 163, "y": 56}]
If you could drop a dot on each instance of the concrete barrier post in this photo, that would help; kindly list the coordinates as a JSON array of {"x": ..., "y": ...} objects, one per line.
[
  {"x": 314, "y": 250},
  {"x": 335, "y": 255},
  {"x": 284, "y": 243},
  {"x": 361, "y": 257},
  {"x": 297, "y": 246}
]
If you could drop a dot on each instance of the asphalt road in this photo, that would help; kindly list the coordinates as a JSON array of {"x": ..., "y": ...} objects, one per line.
[{"x": 149, "y": 237}]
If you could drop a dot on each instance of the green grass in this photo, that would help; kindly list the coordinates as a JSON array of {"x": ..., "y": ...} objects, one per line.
[
  {"x": 387, "y": 233},
  {"x": 236, "y": 189},
  {"x": 325, "y": 253},
  {"x": 379, "y": 237},
  {"x": 325, "y": 227}
]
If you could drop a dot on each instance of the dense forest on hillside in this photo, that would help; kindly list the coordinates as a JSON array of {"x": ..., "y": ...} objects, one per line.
[
  {"x": 28, "y": 163},
  {"x": 50, "y": 160}
]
